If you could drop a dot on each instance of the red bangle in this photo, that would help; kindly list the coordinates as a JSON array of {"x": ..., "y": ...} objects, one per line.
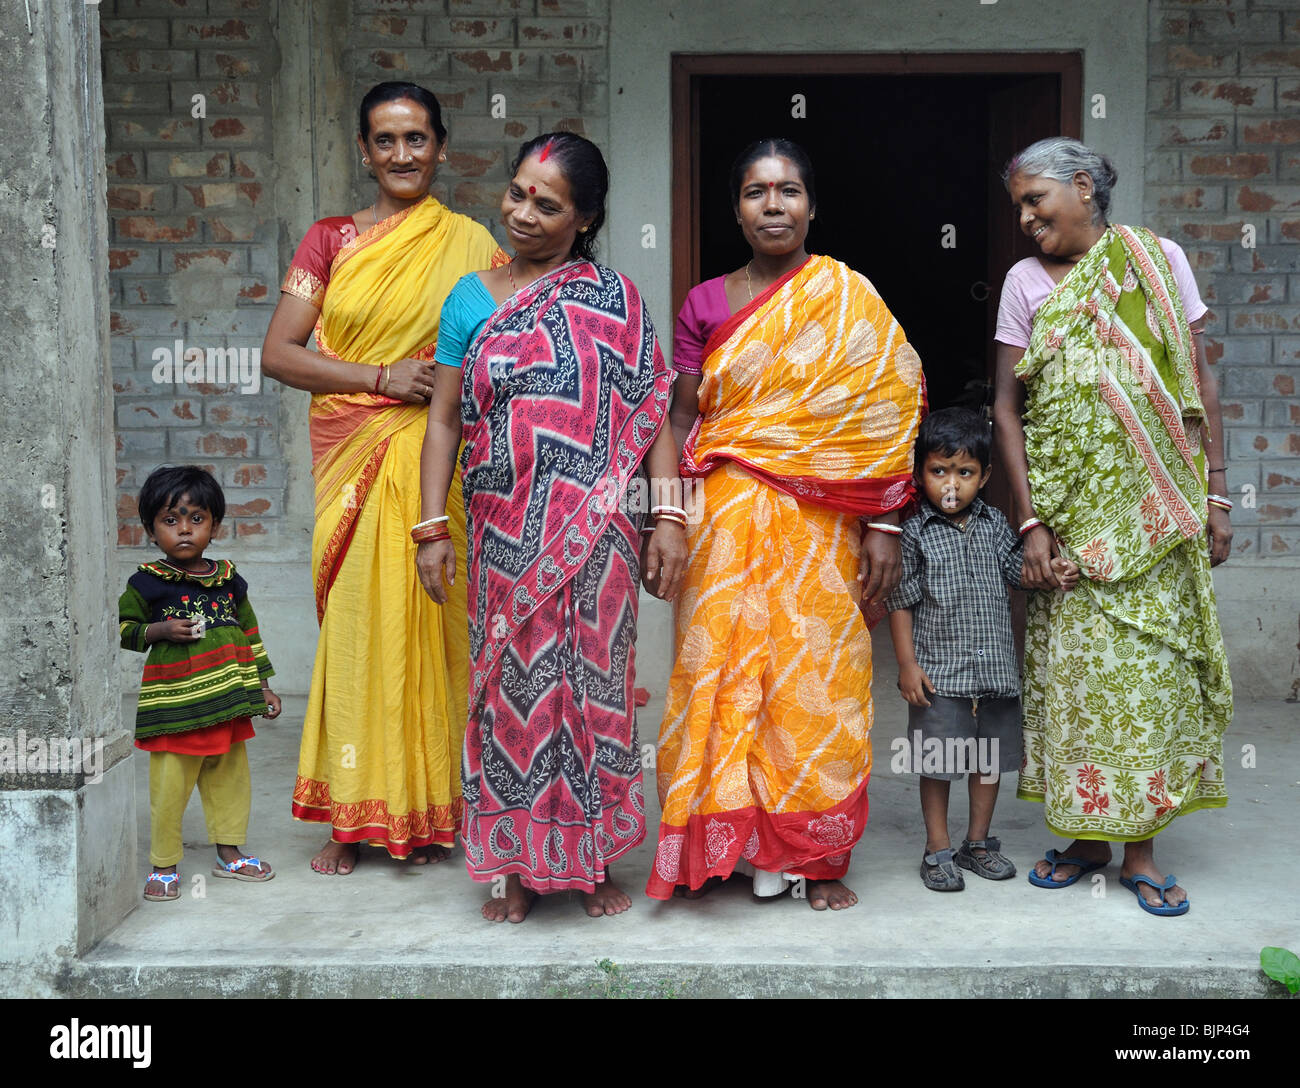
[{"x": 428, "y": 536}]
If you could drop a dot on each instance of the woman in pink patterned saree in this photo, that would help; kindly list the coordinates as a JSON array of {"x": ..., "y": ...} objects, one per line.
[{"x": 562, "y": 399}]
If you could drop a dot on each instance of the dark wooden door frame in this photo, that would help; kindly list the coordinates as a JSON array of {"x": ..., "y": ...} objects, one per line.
[{"x": 687, "y": 67}]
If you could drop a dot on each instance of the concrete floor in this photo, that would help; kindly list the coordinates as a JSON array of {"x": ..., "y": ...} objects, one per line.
[{"x": 391, "y": 929}]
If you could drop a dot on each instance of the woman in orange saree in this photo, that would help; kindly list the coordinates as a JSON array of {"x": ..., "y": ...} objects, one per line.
[
  {"x": 385, "y": 718},
  {"x": 802, "y": 419}
]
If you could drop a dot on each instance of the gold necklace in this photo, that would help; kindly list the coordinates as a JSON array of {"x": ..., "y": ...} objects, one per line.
[
  {"x": 514, "y": 287},
  {"x": 748, "y": 283}
]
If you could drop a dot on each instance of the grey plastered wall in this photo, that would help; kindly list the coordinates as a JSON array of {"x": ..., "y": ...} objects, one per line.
[{"x": 67, "y": 872}]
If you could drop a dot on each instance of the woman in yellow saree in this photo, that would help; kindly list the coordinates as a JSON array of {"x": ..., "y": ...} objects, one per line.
[
  {"x": 808, "y": 398},
  {"x": 385, "y": 718}
]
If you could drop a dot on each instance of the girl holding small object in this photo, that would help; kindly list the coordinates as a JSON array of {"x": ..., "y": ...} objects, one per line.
[
  {"x": 553, "y": 376},
  {"x": 205, "y": 677}
]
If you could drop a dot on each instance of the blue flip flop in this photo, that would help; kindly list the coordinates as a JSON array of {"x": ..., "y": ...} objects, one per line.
[
  {"x": 1085, "y": 867},
  {"x": 1164, "y": 910}
]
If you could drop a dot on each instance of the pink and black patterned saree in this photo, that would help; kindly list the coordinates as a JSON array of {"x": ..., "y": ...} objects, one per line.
[{"x": 565, "y": 390}]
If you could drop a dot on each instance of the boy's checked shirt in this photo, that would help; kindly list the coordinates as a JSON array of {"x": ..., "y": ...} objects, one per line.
[{"x": 955, "y": 583}]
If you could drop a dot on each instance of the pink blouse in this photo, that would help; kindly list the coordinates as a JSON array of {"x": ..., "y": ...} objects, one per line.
[
  {"x": 703, "y": 311},
  {"x": 1027, "y": 285}
]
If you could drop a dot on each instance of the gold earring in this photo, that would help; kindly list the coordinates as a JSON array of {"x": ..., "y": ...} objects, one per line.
[
  {"x": 1087, "y": 197},
  {"x": 365, "y": 161}
]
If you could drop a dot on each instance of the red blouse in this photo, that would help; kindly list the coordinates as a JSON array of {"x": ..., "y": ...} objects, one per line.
[{"x": 309, "y": 271}]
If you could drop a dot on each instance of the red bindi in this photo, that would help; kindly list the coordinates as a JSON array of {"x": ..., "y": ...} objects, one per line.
[
  {"x": 771, "y": 185},
  {"x": 532, "y": 188}
]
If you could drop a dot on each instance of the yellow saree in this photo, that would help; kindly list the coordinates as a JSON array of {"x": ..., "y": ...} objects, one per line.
[{"x": 380, "y": 756}]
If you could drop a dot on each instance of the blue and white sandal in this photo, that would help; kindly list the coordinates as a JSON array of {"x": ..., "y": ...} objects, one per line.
[
  {"x": 1054, "y": 859},
  {"x": 234, "y": 870},
  {"x": 166, "y": 880}
]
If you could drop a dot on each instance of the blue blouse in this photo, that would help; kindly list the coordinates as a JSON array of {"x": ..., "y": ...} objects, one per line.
[{"x": 465, "y": 310}]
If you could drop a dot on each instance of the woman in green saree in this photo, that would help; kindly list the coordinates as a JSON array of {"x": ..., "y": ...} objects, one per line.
[{"x": 1108, "y": 423}]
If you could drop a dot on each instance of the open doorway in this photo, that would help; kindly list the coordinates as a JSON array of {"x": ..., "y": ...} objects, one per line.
[{"x": 907, "y": 150}]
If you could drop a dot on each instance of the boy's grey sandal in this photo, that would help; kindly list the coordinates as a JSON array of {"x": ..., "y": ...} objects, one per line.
[
  {"x": 991, "y": 866},
  {"x": 939, "y": 874}
]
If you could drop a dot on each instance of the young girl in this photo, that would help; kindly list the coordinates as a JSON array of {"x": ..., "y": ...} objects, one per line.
[{"x": 205, "y": 677}]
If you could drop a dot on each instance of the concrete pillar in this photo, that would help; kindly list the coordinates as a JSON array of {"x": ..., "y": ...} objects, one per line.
[{"x": 68, "y": 870}]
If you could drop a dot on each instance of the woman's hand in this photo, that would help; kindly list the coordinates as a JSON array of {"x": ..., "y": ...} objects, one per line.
[
  {"x": 435, "y": 563},
  {"x": 880, "y": 565},
  {"x": 664, "y": 560},
  {"x": 410, "y": 380},
  {"x": 1040, "y": 550},
  {"x": 1219, "y": 531}
]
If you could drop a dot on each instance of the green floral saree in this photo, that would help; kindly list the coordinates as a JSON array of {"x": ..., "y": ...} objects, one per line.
[{"x": 1126, "y": 694}]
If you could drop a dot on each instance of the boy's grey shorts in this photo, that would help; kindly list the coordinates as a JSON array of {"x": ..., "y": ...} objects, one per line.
[{"x": 984, "y": 742}]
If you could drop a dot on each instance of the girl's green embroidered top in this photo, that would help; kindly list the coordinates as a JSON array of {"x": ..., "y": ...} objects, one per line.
[{"x": 193, "y": 685}]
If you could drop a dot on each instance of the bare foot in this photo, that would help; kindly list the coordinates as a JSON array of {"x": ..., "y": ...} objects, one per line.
[
  {"x": 683, "y": 892},
  {"x": 1140, "y": 860},
  {"x": 157, "y": 889},
  {"x": 830, "y": 893},
  {"x": 336, "y": 857},
  {"x": 429, "y": 855},
  {"x": 514, "y": 906},
  {"x": 608, "y": 898},
  {"x": 1088, "y": 849}
]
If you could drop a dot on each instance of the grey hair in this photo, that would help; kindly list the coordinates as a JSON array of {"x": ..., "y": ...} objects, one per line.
[{"x": 1060, "y": 158}]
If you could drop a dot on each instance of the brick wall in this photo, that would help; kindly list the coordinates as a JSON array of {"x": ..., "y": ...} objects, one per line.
[
  {"x": 1223, "y": 150},
  {"x": 547, "y": 58},
  {"x": 192, "y": 248}
]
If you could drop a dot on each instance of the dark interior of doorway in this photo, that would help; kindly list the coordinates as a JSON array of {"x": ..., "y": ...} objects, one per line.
[{"x": 898, "y": 159}]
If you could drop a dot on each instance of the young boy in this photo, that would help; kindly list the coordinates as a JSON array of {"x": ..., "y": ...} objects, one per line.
[{"x": 950, "y": 619}]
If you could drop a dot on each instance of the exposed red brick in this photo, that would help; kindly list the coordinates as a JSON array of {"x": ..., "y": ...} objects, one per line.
[
  {"x": 1213, "y": 351},
  {"x": 252, "y": 190},
  {"x": 1269, "y": 512},
  {"x": 1239, "y": 94},
  {"x": 1218, "y": 232},
  {"x": 224, "y": 230},
  {"x": 382, "y": 58},
  {"x": 146, "y": 228},
  {"x": 121, "y": 258},
  {"x": 182, "y": 409},
  {"x": 1285, "y": 384},
  {"x": 1280, "y": 479},
  {"x": 480, "y": 60},
  {"x": 124, "y": 166},
  {"x": 224, "y": 447},
  {"x": 1233, "y": 411},
  {"x": 127, "y": 509},
  {"x": 182, "y": 259},
  {"x": 253, "y": 291},
  {"x": 230, "y": 30},
  {"x": 249, "y": 475},
  {"x": 248, "y": 509},
  {"x": 1272, "y": 132},
  {"x": 131, "y": 536},
  {"x": 232, "y": 67},
  {"x": 1290, "y": 228},
  {"x": 226, "y": 127},
  {"x": 1260, "y": 443},
  {"x": 1261, "y": 292},
  {"x": 249, "y": 528},
  {"x": 1233, "y": 166}
]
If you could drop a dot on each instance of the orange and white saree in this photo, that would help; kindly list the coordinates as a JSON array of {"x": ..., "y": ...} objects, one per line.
[
  {"x": 380, "y": 755},
  {"x": 809, "y": 403}
]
